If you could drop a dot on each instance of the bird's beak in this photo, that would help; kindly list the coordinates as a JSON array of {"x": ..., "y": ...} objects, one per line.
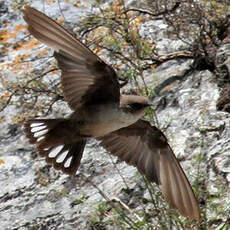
[{"x": 150, "y": 104}]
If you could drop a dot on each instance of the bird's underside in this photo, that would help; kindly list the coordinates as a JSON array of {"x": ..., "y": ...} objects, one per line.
[{"x": 90, "y": 83}]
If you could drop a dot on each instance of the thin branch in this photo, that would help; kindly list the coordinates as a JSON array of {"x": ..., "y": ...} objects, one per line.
[
  {"x": 127, "y": 219},
  {"x": 59, "y": 6},
  {"x": 7, "y": 102},
  {"x": 119, "y": 172},
  {"x": 40, "y": 76},
  {"x": 144, "y": 11}
]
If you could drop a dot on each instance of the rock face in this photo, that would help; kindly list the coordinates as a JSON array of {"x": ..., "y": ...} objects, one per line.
[{"x": 35, "y": 196}]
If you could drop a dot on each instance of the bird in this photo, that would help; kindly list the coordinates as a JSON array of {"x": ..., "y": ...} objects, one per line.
[{"x": 100, "y": 111}]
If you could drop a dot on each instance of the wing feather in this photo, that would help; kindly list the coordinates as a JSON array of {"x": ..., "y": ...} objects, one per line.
[
  {"x": 97, "y": 81},
  {"x": 145, "y": 147}
]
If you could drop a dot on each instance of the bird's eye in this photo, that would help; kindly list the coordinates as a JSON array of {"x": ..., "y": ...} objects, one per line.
[{"x": 137, "y": 106}]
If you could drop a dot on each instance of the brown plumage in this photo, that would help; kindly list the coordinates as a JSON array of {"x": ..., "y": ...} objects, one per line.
[{"x": 92, "y": 91}]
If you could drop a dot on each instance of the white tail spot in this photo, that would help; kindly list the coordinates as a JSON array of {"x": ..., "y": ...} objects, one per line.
[
  {"x": 40, "y": 138},
  {"x": 68, "y": 162},
  {"x": 38, "y": 128},
  {"x": 36, "y": 124},
  {"x": 40, "y": 133},
  {"x": 62, "y": 157},
  {"x": 55, "y": 151}
]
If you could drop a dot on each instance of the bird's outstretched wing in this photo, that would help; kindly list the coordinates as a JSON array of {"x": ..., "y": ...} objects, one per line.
[
  {"x": 86, "y": 79},
  {"x": 145, "y": 147}
]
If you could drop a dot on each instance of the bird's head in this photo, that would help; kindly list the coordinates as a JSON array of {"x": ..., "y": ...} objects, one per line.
[{"x": 134, "y": 104}]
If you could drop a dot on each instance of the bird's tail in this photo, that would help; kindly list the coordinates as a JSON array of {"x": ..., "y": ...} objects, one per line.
[{"x": 51, "y": 139}]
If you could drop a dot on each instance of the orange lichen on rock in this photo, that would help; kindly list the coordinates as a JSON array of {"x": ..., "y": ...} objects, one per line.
[
  {"x": 5, "y": 35},
  {"x": 60, "y": 20},
  {"x": 27, "y": 45},
  {"x": 20, "y": 27},
  {"x": 31, "y": 44},
  {"x": 6, "y": 95}
]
